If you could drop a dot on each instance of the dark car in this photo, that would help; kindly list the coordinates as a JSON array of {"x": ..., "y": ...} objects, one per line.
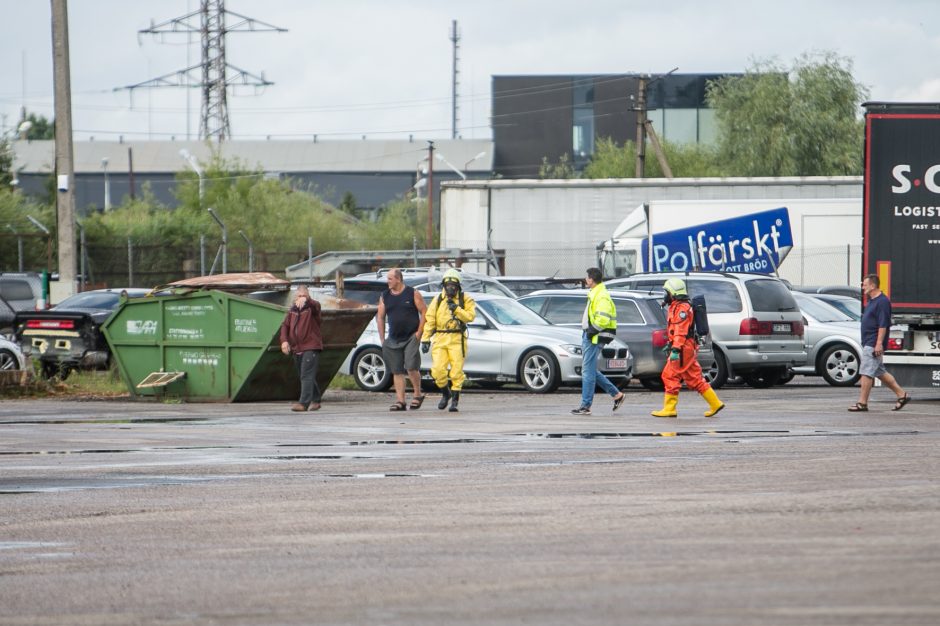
[
  {"x": 68, "y": 335},
  {"x": 641, "y": 324}
]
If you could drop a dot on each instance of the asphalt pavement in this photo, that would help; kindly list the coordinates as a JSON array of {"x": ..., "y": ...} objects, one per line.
[{"x": 785, "y": 509}]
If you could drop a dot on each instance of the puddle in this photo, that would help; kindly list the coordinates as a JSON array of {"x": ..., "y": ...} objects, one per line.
[
  {"x": 380, "y": 475},
  {"x": 133, "y": 420}
]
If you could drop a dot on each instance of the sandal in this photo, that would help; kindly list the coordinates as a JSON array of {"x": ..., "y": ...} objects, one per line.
[
  {"x": 858, "y": 407},
  {"x": 901, "y": 402},
  {"x": 417, "y": 401},
  {"x": 398, "y": 406}
]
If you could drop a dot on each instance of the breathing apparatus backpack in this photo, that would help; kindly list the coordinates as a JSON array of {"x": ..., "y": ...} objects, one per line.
[{"x": 699, "y": 316}]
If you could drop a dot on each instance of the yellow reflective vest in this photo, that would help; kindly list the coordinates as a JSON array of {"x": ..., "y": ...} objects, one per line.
[{"x": 601, "y": 314}]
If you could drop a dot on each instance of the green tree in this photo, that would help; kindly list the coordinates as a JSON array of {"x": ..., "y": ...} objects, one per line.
[
  {"x": 348, "y": 204},
  {"x": 563, "y": 169},
  {"x": 611, "y": 160},
  {"x": 797, "y": 121},
  {"x": 40, "y": 127}
]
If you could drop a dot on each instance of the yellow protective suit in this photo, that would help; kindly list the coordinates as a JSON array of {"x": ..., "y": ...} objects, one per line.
[{"x": 448, "y": 338}]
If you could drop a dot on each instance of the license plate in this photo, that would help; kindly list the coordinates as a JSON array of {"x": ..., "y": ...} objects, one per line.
[
  {"x": 782, "y": 328},
  {"x": 616, "y": 364}
]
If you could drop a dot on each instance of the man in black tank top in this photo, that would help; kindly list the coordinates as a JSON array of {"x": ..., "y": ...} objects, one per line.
[{"x": 404, "y": 308}]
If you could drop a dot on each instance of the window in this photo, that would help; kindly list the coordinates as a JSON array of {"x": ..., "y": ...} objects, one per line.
[
  {"x": 582, "y": 121},
  {"x": 535, "y": 303},
  {"x": 768, "y": 295},
  {"x": 16, "y": 290},
  {"x": 565, "y": 310},
  {"x": 721, "y": 296},
  {"x": 627, "y": 312}
]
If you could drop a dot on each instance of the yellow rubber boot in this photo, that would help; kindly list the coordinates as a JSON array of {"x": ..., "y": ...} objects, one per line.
[
  {"x": 714, "y": 404},
  {"x": 669, "y": 406}
]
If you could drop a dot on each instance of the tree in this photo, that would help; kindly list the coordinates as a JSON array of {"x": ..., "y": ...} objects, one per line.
[
  {"x": 563, "y": 169},
  {"x": 686, "y": 160},
  {"x": 348, "y": 204},
  {"x": 40, "y": 127},
  {"x": 797, "y": 121}
]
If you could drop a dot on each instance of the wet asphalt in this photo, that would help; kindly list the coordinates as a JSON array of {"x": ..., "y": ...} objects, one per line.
[{"x": 786, "y": 509}]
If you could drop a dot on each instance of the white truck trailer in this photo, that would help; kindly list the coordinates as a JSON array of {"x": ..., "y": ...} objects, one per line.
[{"x": 553, "y": 227}]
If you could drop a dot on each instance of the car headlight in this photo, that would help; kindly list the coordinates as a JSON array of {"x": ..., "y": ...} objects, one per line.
[{"x": 571, "y": 348}]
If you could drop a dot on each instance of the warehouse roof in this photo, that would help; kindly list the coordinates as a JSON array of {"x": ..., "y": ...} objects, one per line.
[{"x": 270, "y": 156}]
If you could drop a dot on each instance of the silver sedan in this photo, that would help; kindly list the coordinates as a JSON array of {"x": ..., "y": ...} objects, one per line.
[{"x": 507, "y": 343}]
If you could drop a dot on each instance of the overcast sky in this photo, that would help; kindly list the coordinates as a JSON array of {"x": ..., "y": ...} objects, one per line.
[{"x": 382, "y": 68}]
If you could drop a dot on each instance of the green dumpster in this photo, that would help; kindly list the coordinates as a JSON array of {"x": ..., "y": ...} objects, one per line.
[{"x": 212, "y": 345}]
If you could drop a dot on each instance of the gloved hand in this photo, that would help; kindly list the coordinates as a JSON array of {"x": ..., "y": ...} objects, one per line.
[
  {"x": 451, "y": 305},
  {"x": 666, "y": 349},
  {"x": 425, "y": 346},
  {"x": 674, "y": 354}
]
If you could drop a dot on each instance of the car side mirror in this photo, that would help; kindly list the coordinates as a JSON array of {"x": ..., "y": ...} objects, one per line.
[{"x": 478, "y": 322}]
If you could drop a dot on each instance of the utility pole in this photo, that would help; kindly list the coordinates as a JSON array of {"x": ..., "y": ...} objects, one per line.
[
  {"x": 430, "y": 195},
  {"x": 455, "y": 39},
  {"x": 215, "y": 75},
  {"x": 641, "y": 127},
  {"x": 64, "y": 167},
  {"x": 644, "y": 127}
]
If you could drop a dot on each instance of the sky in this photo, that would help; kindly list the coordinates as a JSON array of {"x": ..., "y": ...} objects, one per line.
[{"x": 383, "y": 68}]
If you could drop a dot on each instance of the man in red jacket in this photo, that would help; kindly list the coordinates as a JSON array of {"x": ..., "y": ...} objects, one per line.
[{"x": 300, "y": 335}]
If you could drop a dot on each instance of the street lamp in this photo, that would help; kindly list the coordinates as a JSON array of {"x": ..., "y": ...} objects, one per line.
[
  {"x": 479, "y": 156},
  {"x": 191, "y": 160},
  {"x": 107, "y": 185},
  {"x": 223, "y": 249},
  {"x": 451, "y": 165}
]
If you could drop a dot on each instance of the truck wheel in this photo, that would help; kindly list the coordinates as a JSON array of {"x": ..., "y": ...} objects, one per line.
[
  {"x": 839, "y": 365},
  {"x": 765, "y": 378},
  {"x": 716, "y": 374},
  {"x": 370, "y": 372},
  {"x": 538, "y": 372}
]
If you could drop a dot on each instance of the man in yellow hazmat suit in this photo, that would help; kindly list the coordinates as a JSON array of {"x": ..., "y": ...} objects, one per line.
[{"x": 445, "y": 329}]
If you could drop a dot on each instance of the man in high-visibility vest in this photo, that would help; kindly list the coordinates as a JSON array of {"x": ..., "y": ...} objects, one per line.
[{"x": 599, "y": 324}]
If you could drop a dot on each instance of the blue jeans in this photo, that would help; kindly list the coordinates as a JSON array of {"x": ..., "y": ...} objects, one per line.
[{"x": 590, "y": 377}]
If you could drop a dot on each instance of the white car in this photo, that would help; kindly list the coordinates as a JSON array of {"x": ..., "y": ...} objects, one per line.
[
  {"x": 11, "y": 357},
  {"x": 508, "y": 343}
]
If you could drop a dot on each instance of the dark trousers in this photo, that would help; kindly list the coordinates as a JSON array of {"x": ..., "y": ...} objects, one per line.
[{"x": 307, "y": 363}]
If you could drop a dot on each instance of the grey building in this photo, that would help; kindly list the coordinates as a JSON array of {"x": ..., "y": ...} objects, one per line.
[
  {"x": 536, "y": 117},
  {"x": 374, "y": 172}
]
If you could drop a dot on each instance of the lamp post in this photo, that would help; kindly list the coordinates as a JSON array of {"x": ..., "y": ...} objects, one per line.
[
  {"x": 451, "y": 165},
  {"x": 194, "y": 164},
  {"x": 479, "y": 156},
  {"x": 251, "y": 251},
  {"x": 224, "y": 247},
  {"x": 107, "y": 185}
]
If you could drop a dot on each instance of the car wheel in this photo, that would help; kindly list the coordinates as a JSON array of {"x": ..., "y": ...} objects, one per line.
[
  {"x": 370, "y": 371},
  {"x": 538, "y": 372},
  {"x": 716, "y": 374},
  {"x": 764, "y": 378},
  {"x": 786, "y": 377},
  {"x": 8, "y": 361},
  {"x": 653, "y": 384},
  {"x": 839, "y": 365}
]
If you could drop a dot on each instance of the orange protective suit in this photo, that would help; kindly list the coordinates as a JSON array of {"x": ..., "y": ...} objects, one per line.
[{"x": 686, "y": 367}]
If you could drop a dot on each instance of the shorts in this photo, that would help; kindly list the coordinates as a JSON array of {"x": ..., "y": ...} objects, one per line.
[
  {"x": 872, "y": 366},
  {"x": 401, "y": 355}
]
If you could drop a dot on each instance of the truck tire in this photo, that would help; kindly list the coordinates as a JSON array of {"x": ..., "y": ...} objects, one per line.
[
  {"x": 370, "y": 371},
  {"x": 839, "y": 365}
]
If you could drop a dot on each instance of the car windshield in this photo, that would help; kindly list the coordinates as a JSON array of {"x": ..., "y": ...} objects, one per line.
[
  {"x": 90, "y": 300},
  {"x": 821, "y": 311},
  {"x": 769, "y": 295},
  {"x": 511, "y": 313}
]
